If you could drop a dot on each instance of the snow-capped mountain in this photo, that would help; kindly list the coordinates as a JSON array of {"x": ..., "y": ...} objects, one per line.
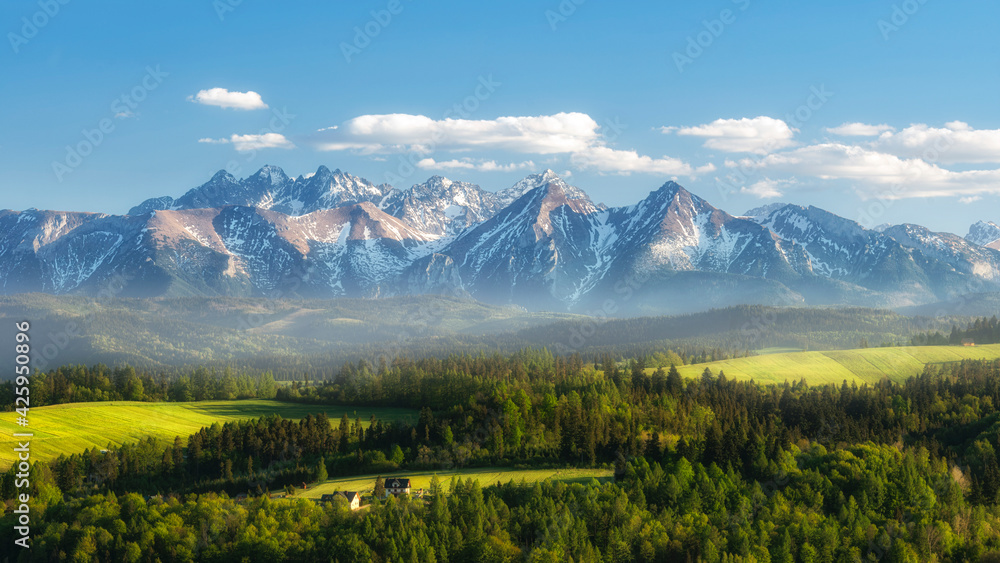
[
  {"x": 529, "y": 251},
  {"x": 442, "y": 207},
  {"x": 541, "y": 243},
  {"x": 984, "y": 233},
  {"x": 271, "y": 189}
]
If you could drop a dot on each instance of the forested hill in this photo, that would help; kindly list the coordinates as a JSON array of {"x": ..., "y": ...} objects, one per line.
[
  {"x": 708, "y": 469},
  {"x": 289, "y": 337}
]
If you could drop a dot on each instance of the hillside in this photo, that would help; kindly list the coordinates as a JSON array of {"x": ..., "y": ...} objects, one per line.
[
  {"x": 290, "y": 336},
  {"x": 160, "y": 333},
  {"x": 72, "y": 428},
  {"x": 867, "y": 365}
]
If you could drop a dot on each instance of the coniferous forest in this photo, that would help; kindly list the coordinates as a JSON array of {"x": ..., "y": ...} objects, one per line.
[{"x": 709, "y": 469}]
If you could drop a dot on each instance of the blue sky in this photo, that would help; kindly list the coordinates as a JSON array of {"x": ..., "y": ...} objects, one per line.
[{"x": 881, "y": 111}]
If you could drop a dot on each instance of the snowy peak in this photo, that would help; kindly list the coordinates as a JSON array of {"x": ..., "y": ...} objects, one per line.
[
  {"x": 760, "y": 214},
  {"x": 952, "y": 250},
  {"x": 550, "y": 182},
  {"x": 535, "y": 181},
  {"x": 270, "y": 175},
  {"x": 805, "y": 220},
  {"x": 984, "y": 233},
  {"x": 541, "y": 242},
  {"x": 441, "y": 206},
  {"x": 675, "y": 230}
]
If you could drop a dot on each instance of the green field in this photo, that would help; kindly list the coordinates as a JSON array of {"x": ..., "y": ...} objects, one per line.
[
  {"x": 867, "y": 365},
  {"x": 74, "y": 427},
  {"x": 781, "y": 350},
  {"x": 484, "y": 475}
]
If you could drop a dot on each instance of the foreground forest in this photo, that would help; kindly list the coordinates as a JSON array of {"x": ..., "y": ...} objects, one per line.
[{"x": 706, "y": 469}]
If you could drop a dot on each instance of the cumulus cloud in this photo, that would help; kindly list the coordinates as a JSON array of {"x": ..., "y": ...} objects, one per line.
[
  {"x": 223, "y": 98},
  {"x": 758, "y": 135},
  {"x": 878, "y": 174},
  {"x": 956, "y": 142},
  {"x": 574, "y": 134},
  {"x": 767, "y": 188},
  {"x": 253, "y": 142},
  {"x": 470, "y": 164},
  {"x": 859, "y": 130},
  {"x": 545, "y": 134},
  {"x": 608, "y": 160}
]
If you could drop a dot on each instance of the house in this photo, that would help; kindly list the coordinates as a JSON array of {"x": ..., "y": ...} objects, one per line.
[
  {"x": 968, "y": 342},
  {"x": 353, "y": 498},
  {"x": 397, "y": 487}
]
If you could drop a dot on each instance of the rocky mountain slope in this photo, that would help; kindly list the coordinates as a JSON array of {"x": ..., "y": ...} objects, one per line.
[{"x": 541, "y": 243}]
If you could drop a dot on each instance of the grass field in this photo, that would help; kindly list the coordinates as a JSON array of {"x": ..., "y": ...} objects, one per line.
[
  {"x": 72, "y": 428},
  {"x": 768, "y": 351},
  {"x": 866, "y": 365},
  {"x": 484, "y": 475}
]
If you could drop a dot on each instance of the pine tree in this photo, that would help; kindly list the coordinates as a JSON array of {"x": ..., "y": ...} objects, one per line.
[{"x": 321, "y": 473}]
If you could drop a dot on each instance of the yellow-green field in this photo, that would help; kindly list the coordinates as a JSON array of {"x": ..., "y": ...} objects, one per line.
[
  {"x": 867, "y": 365},
  {"x": 484, "y": 475},
  {"x": 74, "y": 427}
]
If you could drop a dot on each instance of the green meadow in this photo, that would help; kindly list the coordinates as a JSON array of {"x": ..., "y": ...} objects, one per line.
[
  {"x": 866, "y": 365},
  {"x": 72, "y": 428},
  {"x": 485, "y": 476}
]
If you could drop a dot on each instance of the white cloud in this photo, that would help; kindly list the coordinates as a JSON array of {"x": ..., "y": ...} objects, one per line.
[
  {"x": 264, "y": 141},
  {"x": 574, "y": 134},
  {"x": 253, "y": 142},
  {"x": 225, "y": 99},
  {"x": 956, "y": 142},
  {"x": 767, "y": 188},
  {"x": 608, "y": 160},
  {"x": 759, "y": 135},
  {"x": 545, "y": 134},
  {"x": 970, "y": 199},
  {"x": 469, "y": 164},
  {"x": 878, "y": 174},
  {"x": 859, "y": 130}
]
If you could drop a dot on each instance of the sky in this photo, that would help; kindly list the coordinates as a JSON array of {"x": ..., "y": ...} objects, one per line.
[{"x": 881, "y": 111}]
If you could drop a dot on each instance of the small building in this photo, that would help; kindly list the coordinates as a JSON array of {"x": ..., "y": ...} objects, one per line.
[
  {"x": 968, "y": 342},
  {"x": 397, "y": 487},
  {"x": 353, "y": 498}
]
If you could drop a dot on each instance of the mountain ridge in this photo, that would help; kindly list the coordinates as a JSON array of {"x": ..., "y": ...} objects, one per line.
[{"x": 541, "y": 243}]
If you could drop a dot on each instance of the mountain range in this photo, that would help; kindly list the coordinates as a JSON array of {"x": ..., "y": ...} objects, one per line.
[{"x": 541, "y": 244}]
